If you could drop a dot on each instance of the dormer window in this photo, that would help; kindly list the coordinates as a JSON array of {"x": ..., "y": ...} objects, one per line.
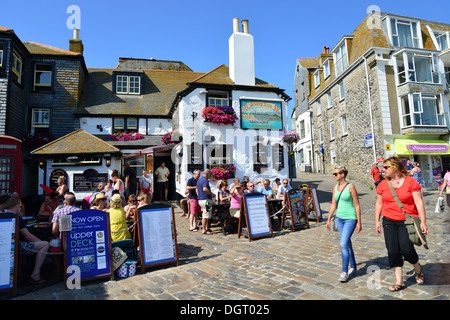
[
  {"x": 326, "y": 69},
  {"x": 17, "y": 67},
  {"x": 42, "y": 77},
  {"x": 442, "y": 39},
  {"x": 341, "y": 58},
  {"x": 404, "y": 33},
  {"x": 128, "y": 83},
  {"x": 316, "y": 79}
]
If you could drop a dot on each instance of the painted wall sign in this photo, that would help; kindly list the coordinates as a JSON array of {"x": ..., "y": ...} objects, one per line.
[
  {"x": 257, "y": 114},
  {"x": 427, "y": 148}
]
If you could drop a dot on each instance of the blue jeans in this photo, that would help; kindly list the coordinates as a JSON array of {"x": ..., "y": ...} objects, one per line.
[{"x": 346, "y": 228}]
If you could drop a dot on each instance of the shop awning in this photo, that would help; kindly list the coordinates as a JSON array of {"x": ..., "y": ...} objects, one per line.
[
  {"x": 150, "y": 150},
  {"x": 411, "y": 147}
]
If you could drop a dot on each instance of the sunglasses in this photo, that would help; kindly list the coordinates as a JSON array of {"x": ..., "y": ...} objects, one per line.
[
  {"x": 335, "y": 174},
  {"x": 386, "y": 167}
]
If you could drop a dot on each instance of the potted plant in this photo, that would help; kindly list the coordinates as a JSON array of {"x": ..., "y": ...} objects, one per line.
[
  {"x": 291, "y": 137},
  {"x": 172, "y": 137},
  {"x": 220, "y": 115}
]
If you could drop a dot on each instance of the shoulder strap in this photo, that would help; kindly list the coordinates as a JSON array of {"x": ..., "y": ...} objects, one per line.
[{"x": 399, "y": 203}]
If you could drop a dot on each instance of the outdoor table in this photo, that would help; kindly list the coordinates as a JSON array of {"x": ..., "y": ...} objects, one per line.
[
  {"x": 220, "y": 211},
  {"x": 41, "y": 230}
]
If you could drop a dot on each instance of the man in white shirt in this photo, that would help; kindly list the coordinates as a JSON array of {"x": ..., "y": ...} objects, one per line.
[{"x": 162, "y": 173}]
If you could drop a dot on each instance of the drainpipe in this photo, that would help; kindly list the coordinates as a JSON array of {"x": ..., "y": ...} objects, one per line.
[{"x": 370, "y": 109}]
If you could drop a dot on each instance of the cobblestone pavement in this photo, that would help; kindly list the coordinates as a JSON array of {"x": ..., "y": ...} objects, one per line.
[{"x": 305, "y": 264}]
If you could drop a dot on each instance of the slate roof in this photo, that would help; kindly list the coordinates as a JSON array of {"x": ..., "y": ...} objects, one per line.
[
  {"x": 77, "y": 142},
  {"x": 39, "y": 48},
  {"x": 160, "y": 88}
]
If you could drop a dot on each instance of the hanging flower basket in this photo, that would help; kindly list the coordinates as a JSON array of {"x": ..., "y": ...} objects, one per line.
[
  {"x": 37, "y": 140},
  {"x": 291, "y": 137},
  {"x": 220, "y": 115},
  {"x": 125, "y": 136},
  {"x": 224, "y": 172},
  {"x": 172, "y": 137}
]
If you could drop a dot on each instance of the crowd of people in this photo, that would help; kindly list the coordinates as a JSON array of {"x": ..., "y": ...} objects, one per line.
[{"x": 198, "y": 194}]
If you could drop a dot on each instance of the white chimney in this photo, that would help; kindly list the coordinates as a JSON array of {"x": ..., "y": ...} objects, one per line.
[{"x": 242, "y": 55}]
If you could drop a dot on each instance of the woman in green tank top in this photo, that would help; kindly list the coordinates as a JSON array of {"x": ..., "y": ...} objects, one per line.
[{"x": 348, "y": 218}]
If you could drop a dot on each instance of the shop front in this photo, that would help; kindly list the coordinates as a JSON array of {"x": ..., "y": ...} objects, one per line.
[{"x": 432, "y": 156}]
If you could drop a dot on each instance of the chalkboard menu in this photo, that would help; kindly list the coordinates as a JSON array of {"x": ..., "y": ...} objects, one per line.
[
  {"x": 157, "y": 235},
  {"x": 9, "y": 253},
  {"x": 257, "y": 215},
  {"x": 88, "y": 244},
  {"x": 297, "y": 211},
  {"x": 88, "y": 180}
]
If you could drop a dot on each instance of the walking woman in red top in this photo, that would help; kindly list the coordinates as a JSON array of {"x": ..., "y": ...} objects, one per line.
[{"x": 395, "y": 234}]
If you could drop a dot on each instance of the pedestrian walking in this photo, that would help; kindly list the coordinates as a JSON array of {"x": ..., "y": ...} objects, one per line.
[
  {"x": 396, "y": 237},
  {"x": 446, "y": 187},
  {"x": 376, "y": 176},
  {"x": 348, "y": 219}
]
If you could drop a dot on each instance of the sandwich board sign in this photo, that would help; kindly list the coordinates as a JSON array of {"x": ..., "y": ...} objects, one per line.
[
  {"x": 257, "y": 217},
  {"x": 9, "y": 253}
]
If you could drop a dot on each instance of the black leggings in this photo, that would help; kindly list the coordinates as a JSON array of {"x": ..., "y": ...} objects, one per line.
[{"x": 398, "y": 244}]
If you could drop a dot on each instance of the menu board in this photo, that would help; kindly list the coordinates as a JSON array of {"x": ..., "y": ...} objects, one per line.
[
  {"x": 297, "y": 210},
  {"x": 257, "y": 215},
  {"x": 88, "y": 244},
  {"x": 157, "y": 235},
  {"x": 8, "y": 254}
]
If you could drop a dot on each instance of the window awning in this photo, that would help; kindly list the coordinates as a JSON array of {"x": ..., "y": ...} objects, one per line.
[
  {"x": 150, "y": 150},
  {"x": 411, "y": 147}
]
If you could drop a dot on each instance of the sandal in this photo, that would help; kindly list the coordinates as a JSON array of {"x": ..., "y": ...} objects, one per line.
[
  {"x": 194, "y": 230},
  {"x": 420, "y": 277},
  {"x": 397, "y": 287},
  {"x": 208, "y": 232}
]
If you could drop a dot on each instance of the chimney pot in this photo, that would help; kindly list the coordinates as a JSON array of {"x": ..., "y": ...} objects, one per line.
[
  {"x": 235, "y": 25},
  {"x": 76, "y": 34},
  {"x": 245, "y": 26}
]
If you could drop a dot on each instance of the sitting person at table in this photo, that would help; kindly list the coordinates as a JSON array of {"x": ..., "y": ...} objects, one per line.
[
  {"x": 28, "y": 244},
  {"x": 223, "y": 193},
  {"x": 48, "y": 206},
  {"x": 117, "y": 220},
  {"x": 250, "y": 187},
  {"x": 131, "y": 209},
  {"x": 235, "y": 204},
  {"x": 69, "y": 207},
  {"x": 266, "y": 189},
  {"x": 99, "y": 202},
  {"x": 283, "y": 191}
]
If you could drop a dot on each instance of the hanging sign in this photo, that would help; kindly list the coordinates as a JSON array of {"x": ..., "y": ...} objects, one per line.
[
  {"x": 88, "y": 244},
  {"x": 9, "y": 253},
  {"x": 157, "y": 235}
]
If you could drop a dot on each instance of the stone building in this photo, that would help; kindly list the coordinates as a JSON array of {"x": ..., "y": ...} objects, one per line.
[{"x": 382, "y": 91}]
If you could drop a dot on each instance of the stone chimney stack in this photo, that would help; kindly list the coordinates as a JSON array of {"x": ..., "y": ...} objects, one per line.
[
  {"x": 241, "y": 55},
  {"x": 75, "y": 44}
]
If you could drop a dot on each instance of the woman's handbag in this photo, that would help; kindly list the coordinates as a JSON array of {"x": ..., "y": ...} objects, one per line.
[
  {"x": 412, "y": 223},
  {"x": 333, "y": 218}
]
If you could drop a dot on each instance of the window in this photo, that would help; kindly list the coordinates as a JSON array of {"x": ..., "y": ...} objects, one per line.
[
  {"x": 320, "y": 135},
  {"x": 132, "y": 124},
  {"x": 218, "y": 98},
  {"x": 119, "y": 124},
  {"x": 341, "y": 59},
  {"x": 42, "y": 77},
  {"x": 319, "y": 107},
  {"x": 442, "y": 39},
  {"x": 127, "y": 84},
  {"x": 316, "y": 78},
  {"x": 1, "y": 54},
  {"x": 405, "y": 33},
  {"x": 17, "y": 68},
  {"x": 302, "y": 129},
  {"x": 332, "y": 131},
  {"x": 420, "y": 109},
  {"x": 341, "y": 90},
  {"x": 40, "y": 118},
  {"x": 326, "y": 69},
  {"x": 413, "y": 67},
  {"x": 329, "y": 100},
  {"x": 344, "y": 124}
]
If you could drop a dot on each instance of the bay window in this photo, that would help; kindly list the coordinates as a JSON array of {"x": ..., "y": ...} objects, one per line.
[
  {"x": 417, "y": 67},
  {"x": 419, "y": 109}
]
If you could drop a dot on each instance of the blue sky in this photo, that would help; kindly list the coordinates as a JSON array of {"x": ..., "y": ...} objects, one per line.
[{"x": 197, "y": 31}]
